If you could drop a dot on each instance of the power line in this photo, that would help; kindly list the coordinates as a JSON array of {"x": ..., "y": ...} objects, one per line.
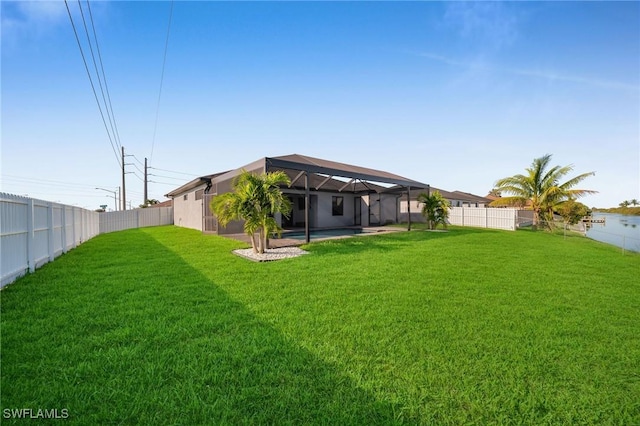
[
  {"x": 93, "y": 88},
  {"x": 164, "y": 61},
  {"x": 162, "y": 183},
  {"x": 47, "y": 182},
  {"x": 136, "y": 166},
  {"x": 168, "y": 177},
  {"x": 171, "y": 171},
  {"x": 104, "y": 76},
  {"x": 20, "y": 185},
  {"x": 136, "y": 175},
  {"x": 136, "y": 158},
  {"x": 95, "y": 66}
]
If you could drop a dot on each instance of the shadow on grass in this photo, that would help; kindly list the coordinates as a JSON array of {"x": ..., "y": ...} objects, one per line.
[{"x": 132, "y": 334}]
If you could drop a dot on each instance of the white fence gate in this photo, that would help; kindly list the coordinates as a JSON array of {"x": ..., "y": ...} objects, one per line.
[
  {"x": 482, "y": 217},
  {"x": 34, "y": 232}
]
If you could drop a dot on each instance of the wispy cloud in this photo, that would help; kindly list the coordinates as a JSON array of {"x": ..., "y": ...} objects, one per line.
[
  {"x": 548, "y": 75},
  {"x": 31, "y": 18},
  {"x": 554, "y": 76},
  {"x": 42, "y": 11},
  {"x": 492, "y": 24}
]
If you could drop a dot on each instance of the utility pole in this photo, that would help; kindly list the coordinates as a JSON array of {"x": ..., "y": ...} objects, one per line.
[
  {"x": 146, "y": 195},
  {"x": 124, "y": 191}
]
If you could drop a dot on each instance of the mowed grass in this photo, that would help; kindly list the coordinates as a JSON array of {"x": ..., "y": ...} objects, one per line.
[{"x": 165, "y": 326}]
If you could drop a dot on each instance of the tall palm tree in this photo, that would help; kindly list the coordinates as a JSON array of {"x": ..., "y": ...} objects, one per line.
[
  {"x": 255, "y": 199},
  {"x": 540, "y": 189},
  {"x": 435, "y": 208}
]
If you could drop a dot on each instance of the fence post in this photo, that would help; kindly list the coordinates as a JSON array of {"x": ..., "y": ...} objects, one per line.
[
  {"x": 64, "y": 229},
  {"x": 486, "y": 218},
  {"x": 31, "y": 261},
  {"x": 81, "y": 226},
  {"x": 50, "y": 232},
  {"x": 73, "y": 227}
]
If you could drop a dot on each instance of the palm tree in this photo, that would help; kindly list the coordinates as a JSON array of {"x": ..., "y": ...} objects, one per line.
[
  {"x": 495, "y": 193},
  {"x": 435, "y": 208},
  {"x": 540, "y": 189},
  {"x": 255, "y": 199}
]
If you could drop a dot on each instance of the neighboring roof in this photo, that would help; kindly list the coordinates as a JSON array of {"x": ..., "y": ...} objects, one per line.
[
  {"x": 458, "y": 196},
  {"x": 165, "y": 203},
  {"x": 202, "y": 180},
  {"x": 465, "y": 196}
]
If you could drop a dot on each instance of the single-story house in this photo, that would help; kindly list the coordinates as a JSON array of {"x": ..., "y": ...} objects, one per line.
[
  {"x": 165, "y": 203},
  {"x": 323, "y": 193},
  {"x": 455, "y": 198}
]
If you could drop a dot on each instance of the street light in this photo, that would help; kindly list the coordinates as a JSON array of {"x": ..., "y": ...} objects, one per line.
[{"x": 115, "y": 199}]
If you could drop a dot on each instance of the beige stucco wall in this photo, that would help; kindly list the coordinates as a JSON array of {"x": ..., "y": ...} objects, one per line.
[
  {"x": 416, "y": 209},
  {"x": 325, "y": 213},
  {"x": 188, "y": 213},
  {"x": 390, "y": 209}
]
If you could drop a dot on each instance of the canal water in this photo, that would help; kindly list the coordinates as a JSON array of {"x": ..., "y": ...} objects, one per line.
[{"x": 618, "y": 229}]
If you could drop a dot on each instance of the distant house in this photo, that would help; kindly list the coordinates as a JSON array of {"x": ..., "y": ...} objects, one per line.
[
  {"x": 323, "y": 193},
  {"x": 455, "y": 198},
  {"x": 465, "y": 199},
  {"x": 166, "y": 203}
]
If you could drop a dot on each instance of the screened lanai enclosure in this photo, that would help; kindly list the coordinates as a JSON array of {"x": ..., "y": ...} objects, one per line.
[{"x": 324, "y": 194}]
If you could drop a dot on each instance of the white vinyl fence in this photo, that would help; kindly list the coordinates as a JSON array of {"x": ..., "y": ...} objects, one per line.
[
  {"x": 34, "y": 232},
  {"x": 483, "y": 217},
  {"x": 138, "y": 218}
]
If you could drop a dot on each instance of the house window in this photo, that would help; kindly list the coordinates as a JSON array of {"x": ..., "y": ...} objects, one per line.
[
  {"x": 301, "y": 203},
  {"x": 199, "y": 194},
  {"x": 185, "y": 197},
  {"x": 337, "y": 206}
]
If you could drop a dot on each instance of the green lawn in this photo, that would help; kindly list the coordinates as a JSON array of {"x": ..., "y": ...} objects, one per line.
[{"x": 166, "y": 326}]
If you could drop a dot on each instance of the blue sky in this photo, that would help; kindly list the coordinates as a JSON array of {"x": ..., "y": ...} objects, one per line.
[{"x": 456, "y": 95}]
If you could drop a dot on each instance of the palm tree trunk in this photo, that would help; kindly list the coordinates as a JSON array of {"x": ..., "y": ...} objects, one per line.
[
  {"x": 536, "y": 220},
  {"x": 253, "y": 242},
  {"x": 265, "y": 238},
  {"x": 261, "y": 241}
]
